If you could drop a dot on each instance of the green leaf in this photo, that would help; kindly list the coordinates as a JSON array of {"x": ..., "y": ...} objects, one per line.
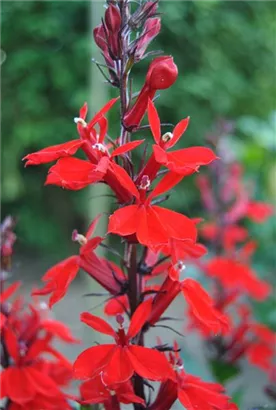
[{"x": 223, "y": 371}]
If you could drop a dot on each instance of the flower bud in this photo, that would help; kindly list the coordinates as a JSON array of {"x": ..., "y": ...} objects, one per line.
[
  {"x": 113, "y": 19},
  {"x": 162, "y": 73},
  {"x": 100, "y": 37},
  {"x": 143, "y": 12},
  {"x": 151, "y": 30}
]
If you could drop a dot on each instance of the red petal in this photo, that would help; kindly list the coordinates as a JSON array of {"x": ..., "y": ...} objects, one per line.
[
  {"x": 41, "y": 383},
  {"x": 119, "y": 368},
  {"x": 83, "y": 111},
  {"x": 94, "y": 391},
  {"x": 139, "y": 318},
  {"x": 167, "y": 183},
  {"x": 90, "y": 245},
  {"x": 177, "y": 226},
  {"x": 54, "y": 152},
  {"x": 124, "y": 221},
  {"x": 178, "y": 131},
  {"x": 124, "y": 179},
  {"x": 11, "y": 343},
  {"x": 18, "y": 387},
  {"x": 259, "y": 211},
  {"x": 3, "y": 320},
  {"x": 149, "y": 363},
  {"x": 97, "y": 324},
  {"x": 6, "y": 294},
  {"x": 92, "y": 361},
  {"x": 59, "y": 277},
  {"x": 154, "y": 122},
  {"x": 103, "y": 124},
  {"x": 59, "y": 330},
  {"x": 150, "y": 229},
  {"x": 102, "y": 112},
  {"x": 187, "y": 160},
  {"x": 129, "y": 146},
  {"x": 73, "y": 173},
  {"x": 92, "y": 226}
]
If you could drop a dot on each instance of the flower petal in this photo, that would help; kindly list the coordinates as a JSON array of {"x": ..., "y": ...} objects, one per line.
[
  {"x": 139, "y": 318},
  {"x": 149, "y": 363},
  {"x": 154, "y": 122},
  {"x": 54, "y": 152},
  {"x": 124, "y": 220},
  {"x": 97, "y": 324},
  {"x": 129, "y": 146},
  {"x": 92, "y": 361}
]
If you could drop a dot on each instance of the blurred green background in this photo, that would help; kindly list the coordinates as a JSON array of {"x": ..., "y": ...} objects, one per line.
[{"x": 225, "y": 52}]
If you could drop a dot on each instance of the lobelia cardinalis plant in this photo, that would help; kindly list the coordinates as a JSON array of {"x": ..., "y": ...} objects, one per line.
[
  {"x": 153, "y": 239},
  {"x": 234, "y": 280}
]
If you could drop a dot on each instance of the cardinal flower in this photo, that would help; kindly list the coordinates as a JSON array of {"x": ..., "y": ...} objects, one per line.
[
  {"x": 185, "y": 161},
  {"x": 118, "y": 362},
  {"x": 69, "y": 148},
  {"x": 95, "y": 391},
  {"x": 23, "y": 380},
  {"x": 59, "y": 277},
  {"x": 151, "y": 223}
]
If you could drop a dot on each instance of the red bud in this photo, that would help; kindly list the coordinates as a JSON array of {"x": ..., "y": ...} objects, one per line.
[
  {"x": 99, "y": 37},
  {"x": 162, "y": 73},
  {"x": 113, "y": 19},
  {"x": 151, "y": 29}
]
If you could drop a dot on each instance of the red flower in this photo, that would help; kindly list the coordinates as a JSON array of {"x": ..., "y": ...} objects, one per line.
[
  {"x": 95, "y": 391},
  {"x": 185, "y": 161},
  {"x": 74, "y": 173},
  {"x": 234, "y": 274},
  {"x": 23, "y": 380},
  {"x": 162, "y": 73},
  {"x": 259, "y": 211},
  {"x": 59, "y": 277},
  {"x": 118, "y": 362},
  {"x": 54, "y": 152},
  {"x": 151, "y": 224},
  {"x": 194, "y": 393}
]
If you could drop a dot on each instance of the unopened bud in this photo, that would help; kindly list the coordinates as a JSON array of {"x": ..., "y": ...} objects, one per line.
[
  {"x": 78, "y": 120},
  {"x": 162, "y": 73},
  {"x": 76, "y": 237},
  {"x": 113, "y": 18},
  {"x": 167, "y": 137},
  {"x": 145, "y": 182}
]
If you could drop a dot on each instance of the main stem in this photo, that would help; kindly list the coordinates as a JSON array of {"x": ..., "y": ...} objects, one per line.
[{"x": 134, "y": 293}]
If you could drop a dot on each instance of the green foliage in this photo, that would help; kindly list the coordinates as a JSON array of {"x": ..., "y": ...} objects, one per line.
[
  {"x": 44, "y": 83},
  {"x": 223, "y": 371}
]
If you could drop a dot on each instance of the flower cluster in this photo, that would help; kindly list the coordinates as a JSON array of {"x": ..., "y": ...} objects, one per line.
[
  {"x": 230, "y": 268},
  {"x": 156, "y": 241},
  {"x": 29, "y": 379}
]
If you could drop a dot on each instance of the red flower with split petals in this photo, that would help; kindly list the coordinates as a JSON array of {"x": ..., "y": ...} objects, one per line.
[
  {"x": 73, "y": 173},
  {"x": 59, "y": 277},
  {"x": 52, "y": 153},
  {"x": 185, "y": 161},
  {"x": 151, "y": 224},
  {"x": 23, "y": 380},
  {"x": 118, "y": 362},
  {"x": 95, "y": 391}
]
